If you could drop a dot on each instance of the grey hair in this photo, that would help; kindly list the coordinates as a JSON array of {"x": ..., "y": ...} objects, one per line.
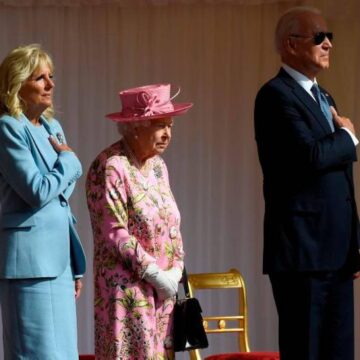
[
  {"x": 128, "y": 128},
  {"x": 289, "y": 23}
]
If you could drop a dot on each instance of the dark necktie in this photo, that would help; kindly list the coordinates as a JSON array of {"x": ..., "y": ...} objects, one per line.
[{"x": 324, "y": 105}]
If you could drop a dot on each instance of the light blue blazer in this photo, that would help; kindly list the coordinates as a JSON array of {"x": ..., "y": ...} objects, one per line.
[{"x": 37, "y": 233}]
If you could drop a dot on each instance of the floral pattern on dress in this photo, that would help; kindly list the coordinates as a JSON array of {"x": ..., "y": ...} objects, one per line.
[{"x": 135, "y": 222}]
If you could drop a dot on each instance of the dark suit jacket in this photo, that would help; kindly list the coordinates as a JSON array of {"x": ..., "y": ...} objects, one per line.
[{"x": 310, "y": 219}]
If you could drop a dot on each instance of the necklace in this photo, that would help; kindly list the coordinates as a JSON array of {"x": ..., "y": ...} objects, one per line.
[{"x": 143, "y": 169}]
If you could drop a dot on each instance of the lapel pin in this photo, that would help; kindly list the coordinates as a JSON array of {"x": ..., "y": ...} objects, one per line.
[{"x": 60, "y": 138}]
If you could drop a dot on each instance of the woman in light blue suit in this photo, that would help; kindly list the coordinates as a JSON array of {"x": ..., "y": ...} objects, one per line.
[{"x": 41, "y": 259}]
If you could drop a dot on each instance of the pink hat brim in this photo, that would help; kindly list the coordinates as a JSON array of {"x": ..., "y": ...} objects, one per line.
[{"x": 179, "y": 109}]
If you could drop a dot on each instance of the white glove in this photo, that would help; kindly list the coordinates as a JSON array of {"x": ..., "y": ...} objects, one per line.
[
  {"x": 174, "y": 274},
  {"x": 164, "y": 282}
]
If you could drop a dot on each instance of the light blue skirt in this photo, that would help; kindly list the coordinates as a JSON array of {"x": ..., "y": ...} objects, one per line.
[{"x": 39, "y": 318}]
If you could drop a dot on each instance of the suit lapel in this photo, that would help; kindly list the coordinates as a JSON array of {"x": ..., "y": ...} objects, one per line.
[
  {"x": 38, "y": 145},
  {"x": 49, "y": 127},
  {"x": 307, "y": 100}
]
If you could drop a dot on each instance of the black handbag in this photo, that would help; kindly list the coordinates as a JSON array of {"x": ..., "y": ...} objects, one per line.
[{"x": 189, "y": 332}]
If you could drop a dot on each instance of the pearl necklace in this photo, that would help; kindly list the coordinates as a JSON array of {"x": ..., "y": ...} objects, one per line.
[{"x": 143, "y": 169}]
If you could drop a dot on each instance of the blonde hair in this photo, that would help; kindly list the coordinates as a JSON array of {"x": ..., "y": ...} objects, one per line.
[{"x": 17, "y": 67}]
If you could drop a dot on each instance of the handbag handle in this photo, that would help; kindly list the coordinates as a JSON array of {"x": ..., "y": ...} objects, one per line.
[{"x": 184, "y": 281}]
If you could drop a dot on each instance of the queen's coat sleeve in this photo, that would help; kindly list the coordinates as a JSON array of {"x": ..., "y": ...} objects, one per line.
[
  {"x": 116, "y": 202},
  {"x": 179, "y": 254}
]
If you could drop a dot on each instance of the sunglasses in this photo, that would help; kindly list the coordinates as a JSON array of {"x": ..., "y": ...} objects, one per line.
[{"x": 318, "y": 37}]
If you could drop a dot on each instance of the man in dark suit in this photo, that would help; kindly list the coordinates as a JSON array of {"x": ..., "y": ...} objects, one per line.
[{"x": 311, "y": 241}]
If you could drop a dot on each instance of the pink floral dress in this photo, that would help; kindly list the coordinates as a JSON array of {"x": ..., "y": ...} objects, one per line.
[{"x": 135, "y": 222}]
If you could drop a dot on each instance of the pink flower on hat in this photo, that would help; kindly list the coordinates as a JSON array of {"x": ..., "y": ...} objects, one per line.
[{"x": 148, "y": 102}]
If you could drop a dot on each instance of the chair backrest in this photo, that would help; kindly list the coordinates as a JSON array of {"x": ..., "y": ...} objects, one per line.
[{"x": 236, "y": 323}]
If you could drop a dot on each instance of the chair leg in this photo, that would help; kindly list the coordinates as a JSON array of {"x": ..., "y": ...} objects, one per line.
[{"x": 194, "y": 355}]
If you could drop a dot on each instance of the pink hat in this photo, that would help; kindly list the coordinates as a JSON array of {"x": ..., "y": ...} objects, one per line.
[{"x": 148, "y": 102}]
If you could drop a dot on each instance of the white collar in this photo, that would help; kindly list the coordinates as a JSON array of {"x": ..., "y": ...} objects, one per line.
[{"x": 300, "y": 78}]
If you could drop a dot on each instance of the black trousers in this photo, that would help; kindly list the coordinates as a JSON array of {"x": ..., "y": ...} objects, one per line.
[{"x": 316, "y": 315}]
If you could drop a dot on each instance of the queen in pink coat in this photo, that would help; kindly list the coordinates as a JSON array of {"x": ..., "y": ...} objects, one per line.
[{"x": 138, "y": 251}]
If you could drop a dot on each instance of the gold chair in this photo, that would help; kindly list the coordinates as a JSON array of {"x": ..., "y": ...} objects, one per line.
[{"x": 231, "y": 323}]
